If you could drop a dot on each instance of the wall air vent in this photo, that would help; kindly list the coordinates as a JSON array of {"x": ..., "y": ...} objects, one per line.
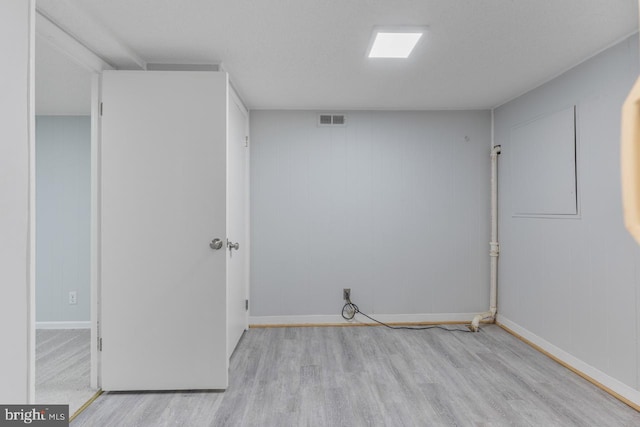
[
  {"x": 338, "y": 119},
  {"x": 332, "y": 120},
  {"x": 325, "y": 119}
]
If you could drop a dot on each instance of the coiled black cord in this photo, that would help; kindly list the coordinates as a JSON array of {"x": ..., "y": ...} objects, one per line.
[{"x": 349, "y": 311}]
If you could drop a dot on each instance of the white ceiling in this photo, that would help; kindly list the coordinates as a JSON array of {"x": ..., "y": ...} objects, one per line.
[{"x": 311, "y": 54}]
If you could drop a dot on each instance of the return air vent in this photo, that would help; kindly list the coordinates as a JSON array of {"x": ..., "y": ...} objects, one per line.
[
  {"x": 325, "y": 119},
  {"x": 332, "y": 120}
]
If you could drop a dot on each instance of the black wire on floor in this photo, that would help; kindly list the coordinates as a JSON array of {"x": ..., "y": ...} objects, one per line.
[{"x": 349, "y": 311}]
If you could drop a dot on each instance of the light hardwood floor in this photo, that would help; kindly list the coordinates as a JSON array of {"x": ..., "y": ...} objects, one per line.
[
  {"x": 373, "y": 376},
  {"x": 63, "y": 367}
]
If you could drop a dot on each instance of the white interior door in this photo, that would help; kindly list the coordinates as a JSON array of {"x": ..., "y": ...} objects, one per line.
[
  {"x": 163, "y": 200},
  {"x": 237, "y": 220}
]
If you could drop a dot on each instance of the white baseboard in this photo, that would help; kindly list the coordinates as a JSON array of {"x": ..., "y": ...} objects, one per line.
[
  {"x": 614, "y": 385},
  {"x": 64, "y": 325},
  {"x": 332, "y": 319}
]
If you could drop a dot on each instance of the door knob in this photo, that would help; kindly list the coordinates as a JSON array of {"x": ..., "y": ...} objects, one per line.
[
  {"x": 216, "y": 244},
  {"x": 235, "y": 245}
]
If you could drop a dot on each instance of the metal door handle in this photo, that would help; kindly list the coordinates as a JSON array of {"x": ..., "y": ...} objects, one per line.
[
  {"x": 235, "y": 245},
  {"x": 216, "y": 244}
]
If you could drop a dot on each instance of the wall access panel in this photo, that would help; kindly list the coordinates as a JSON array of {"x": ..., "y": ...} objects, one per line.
[{"x": 543, "y": 153}]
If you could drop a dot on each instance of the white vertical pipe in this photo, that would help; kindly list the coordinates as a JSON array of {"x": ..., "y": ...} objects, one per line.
[
  {"x": 96, "y": 96},
  {"x": 494, "y": 251},
  {"x": 494, "y": 246}
]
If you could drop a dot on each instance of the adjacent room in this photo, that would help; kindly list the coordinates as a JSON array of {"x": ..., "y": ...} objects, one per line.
[
  {"x": 63, "y": 203},
  {"x": 291, "y": 213}
]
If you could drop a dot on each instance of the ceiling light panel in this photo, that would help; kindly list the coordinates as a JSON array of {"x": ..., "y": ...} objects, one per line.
[{"x": 394, "y": 43}]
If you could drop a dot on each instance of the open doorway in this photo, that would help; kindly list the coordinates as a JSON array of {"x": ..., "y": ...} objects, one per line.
[{"x": 63, "y": 228}]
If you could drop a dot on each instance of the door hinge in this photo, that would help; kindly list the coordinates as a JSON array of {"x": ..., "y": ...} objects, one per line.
[
  {"x": 246, "y": 305},
  {"x": 99, "y": 344},
  {"x": 101, "y": 108},
  {"x": 246, "y": 141}
]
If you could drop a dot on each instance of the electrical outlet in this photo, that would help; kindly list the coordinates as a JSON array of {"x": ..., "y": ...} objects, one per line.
[
  {"x": 346, "y": 294},
  {"x": 73, "y": 297}
]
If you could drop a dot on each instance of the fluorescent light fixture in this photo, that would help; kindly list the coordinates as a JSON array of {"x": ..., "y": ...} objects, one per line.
[{"x": 394, "y": 43}]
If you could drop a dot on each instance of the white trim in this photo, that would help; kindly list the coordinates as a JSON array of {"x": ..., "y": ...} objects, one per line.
[
  {"x": 237, "y": 93},
  {"x": 238, "y": 101},
  {"x": 336, "y": 318},
  {"x": 606, "y": 380},
  {"x": 88, "y": 31},
  {"x": 49, "y": 32},
  {"x": 247, "y": 207},
  {"x": 157, "y": 66},
  {"x": 64, "y": 325},
  {"x": 31, "y": 209}
]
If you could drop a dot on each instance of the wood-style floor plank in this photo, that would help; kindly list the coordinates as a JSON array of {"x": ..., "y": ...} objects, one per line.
[
  {"x": 377, "y": 377},
  {"x": 63, "y": 367}
]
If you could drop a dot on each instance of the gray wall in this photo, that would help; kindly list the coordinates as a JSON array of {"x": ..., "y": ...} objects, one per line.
[
  {"x": 574, "y": 282},
  {"x": 63, "y": 184},
  {"x": 394, "y": 206}
]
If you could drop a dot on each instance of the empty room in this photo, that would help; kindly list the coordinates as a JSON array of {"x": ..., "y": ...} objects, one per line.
[{"x": 320, "y": 213}]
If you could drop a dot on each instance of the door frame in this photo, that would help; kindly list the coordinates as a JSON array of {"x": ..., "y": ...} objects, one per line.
[
  {"x": 235, "y": 98},
  {"x": 49, "y": 32},
  {"x": 96, "y": 96}
]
